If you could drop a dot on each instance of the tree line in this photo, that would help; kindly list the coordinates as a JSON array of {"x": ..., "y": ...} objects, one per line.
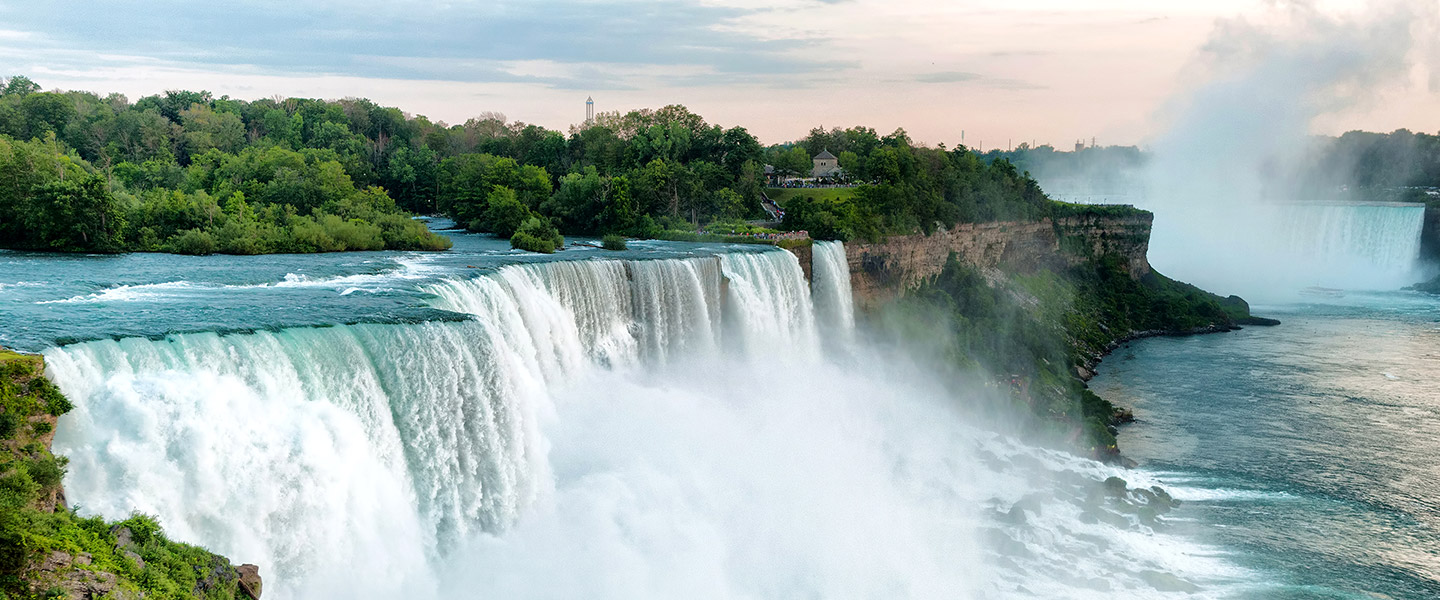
[{"x": 185, "y": 171}]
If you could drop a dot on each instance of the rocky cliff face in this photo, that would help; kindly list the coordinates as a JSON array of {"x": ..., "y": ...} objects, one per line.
[
  {"x": 883, "y": 270},
  {"x": 1430, "y": 235}
]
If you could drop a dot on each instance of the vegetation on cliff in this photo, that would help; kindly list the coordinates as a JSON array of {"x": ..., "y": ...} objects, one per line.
[
  {"x": 1040, "y": 332},
  {"x": 49, "y": 551}
]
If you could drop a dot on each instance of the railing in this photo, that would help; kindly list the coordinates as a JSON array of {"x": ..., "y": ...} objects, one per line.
[{"x": 774, "y": 237}]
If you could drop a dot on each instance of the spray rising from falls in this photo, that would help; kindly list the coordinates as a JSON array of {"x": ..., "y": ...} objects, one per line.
[
  {"x": 675, "y": 428},
  {"x": 1238, "y": 149}
]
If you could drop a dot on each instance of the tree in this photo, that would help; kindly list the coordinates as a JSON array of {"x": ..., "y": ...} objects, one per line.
[
  {"x": 75, "y": 214},
  {"x": 18, "y": 85},
  {"x": 203, "y": 129},
  {"x": 504, "y": 215}
]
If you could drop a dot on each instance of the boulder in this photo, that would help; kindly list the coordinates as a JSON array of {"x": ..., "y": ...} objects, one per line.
[
  {"x": 56, "y": 571},
  {"x": 250, "y": 581}
]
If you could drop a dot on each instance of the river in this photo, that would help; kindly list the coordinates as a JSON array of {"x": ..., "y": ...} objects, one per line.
[{"x": 1308, "y": 450}]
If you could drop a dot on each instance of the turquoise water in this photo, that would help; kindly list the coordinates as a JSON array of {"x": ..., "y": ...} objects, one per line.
[
  {"x": 1310, "y": 450},
  {"x": 56, "y": 299}
]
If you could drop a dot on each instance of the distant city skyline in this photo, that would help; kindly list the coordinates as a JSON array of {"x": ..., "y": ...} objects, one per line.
[{"x": 1044, "y": 70}]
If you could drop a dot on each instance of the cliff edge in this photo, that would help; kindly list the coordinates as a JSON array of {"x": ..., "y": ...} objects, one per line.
[
  {"x": 1034, "y": 305},
  {"x": 48, "y": 551}
]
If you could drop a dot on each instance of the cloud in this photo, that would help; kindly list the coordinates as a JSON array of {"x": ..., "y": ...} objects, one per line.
[
  {"x": 976, "y": 78},
  {"x": 947, "y": 77},
  {"x": 468, "y": 42}
]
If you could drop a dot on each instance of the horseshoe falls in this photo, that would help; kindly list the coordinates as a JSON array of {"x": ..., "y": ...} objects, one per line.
[
  {"x": 1271, "y": 251},
  {"x": 682, "y": 424}
]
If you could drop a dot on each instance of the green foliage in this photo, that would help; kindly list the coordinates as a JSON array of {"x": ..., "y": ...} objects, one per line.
[
  {"x": 81, "y": 172},
  {"x": 782, "y": 195},
  {"x": 505, "y": 213},
  {"x": 191, "y": 241},
  {"x": 613, "y": 242},
  {"x": 537, "y": 234},
  {"x": 1033, "y": 331}
]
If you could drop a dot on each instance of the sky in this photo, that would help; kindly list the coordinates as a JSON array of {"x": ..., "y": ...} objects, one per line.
[{"x": 1042, "y": 71}]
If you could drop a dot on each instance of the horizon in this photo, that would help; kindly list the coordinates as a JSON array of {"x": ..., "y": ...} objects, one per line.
[{"x": 1039, "y": 72}]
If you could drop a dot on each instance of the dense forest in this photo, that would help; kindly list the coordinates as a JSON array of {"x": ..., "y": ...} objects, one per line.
[{"x": 188, "y": 172}]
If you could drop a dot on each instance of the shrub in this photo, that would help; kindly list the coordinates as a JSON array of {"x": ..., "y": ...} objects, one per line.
[
  {"x": 525, "y": 241},
  {"x": 613, "y": 242},
  {"x": 354, "y": 234},
  {"x": 403, "y": 233},
  {"x": 537, "y": 234},
  {"x": 238, "y": 238},
  {"x": 47, "y": 471},
  {"x": 143, "y": 528},
  {"x": 192, "y": 241},
  {"x": 8, "y": 425}
]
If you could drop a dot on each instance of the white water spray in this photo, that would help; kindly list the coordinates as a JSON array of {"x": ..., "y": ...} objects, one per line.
[
  {"x": 1233, "y": 157},
  {"x": 599, "y": 429}
]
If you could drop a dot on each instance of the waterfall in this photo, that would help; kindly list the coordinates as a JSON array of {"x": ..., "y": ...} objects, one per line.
[
  {"x": 287, "y": 447},
  {"x": 1267, "y": 252},
  {"x": 599, "y": 429},
  {"x": 834, "y": 303},
  {"x": 1385, "y": 238}
]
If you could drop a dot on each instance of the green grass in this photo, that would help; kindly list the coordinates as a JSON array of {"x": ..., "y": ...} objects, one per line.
[{"x": 780, "y": 195}]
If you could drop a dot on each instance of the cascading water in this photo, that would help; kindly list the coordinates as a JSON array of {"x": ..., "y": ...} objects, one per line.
[
  {"x": 1381, "y": 238},
  {"x": 666, "y": 428},
  {"x": 834, "y": 303},
  {"x": 1269, "y": 252}
]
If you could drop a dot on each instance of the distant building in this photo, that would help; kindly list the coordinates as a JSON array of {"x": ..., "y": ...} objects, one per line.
[{"x": 826, "y": 165}]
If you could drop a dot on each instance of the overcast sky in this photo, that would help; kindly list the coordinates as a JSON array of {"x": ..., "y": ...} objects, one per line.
[{"x": 1052, "y": 71}]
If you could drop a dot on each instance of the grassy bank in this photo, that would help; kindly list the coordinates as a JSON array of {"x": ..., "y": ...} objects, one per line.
[
  {"x": 782, "y": 195},
  {"x": 48, "y": 551}
]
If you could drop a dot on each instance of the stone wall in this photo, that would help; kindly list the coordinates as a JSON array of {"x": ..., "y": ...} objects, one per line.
[{"x": 883, "y": 270}]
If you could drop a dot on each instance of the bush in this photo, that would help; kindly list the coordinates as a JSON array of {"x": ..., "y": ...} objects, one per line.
[
  {"x": 403, "y": 233},
  {"x": 239, "y": 238},
  {"x": 47, "y": 471},
  {"x": 354, "y": 234},
  {"x": 193, "y": 242},
  {"x": 8, "y": 425},
  {"x": 613, "y": 242},
  {"x": 537, "y": 234},
  {"x": 525, "y": 241}
]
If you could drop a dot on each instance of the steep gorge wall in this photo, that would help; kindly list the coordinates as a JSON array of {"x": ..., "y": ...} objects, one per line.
[
  {"x": 1430, "y": 235},
  {"x": 882, "y": 270}
]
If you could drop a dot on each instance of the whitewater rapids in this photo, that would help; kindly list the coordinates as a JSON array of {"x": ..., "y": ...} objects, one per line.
[{"x": 701, "y": 428}]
